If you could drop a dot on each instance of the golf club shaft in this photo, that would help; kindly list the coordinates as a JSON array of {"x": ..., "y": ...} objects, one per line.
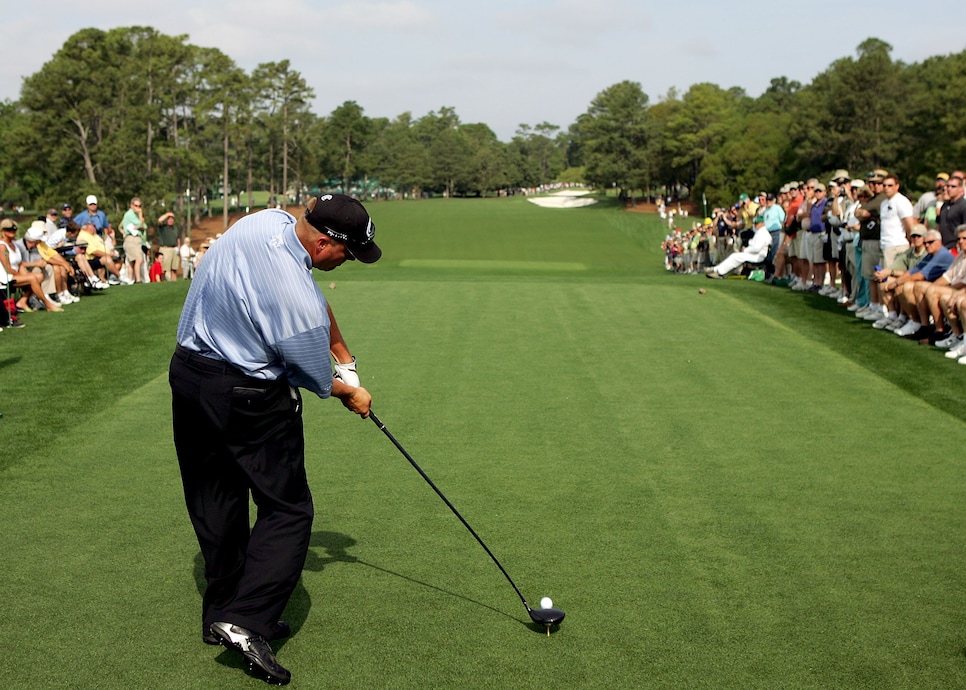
[{"x": 439, "y": 493}]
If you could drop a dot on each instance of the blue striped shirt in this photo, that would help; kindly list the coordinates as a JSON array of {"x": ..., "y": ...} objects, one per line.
[{"x": 254, "y": 303}]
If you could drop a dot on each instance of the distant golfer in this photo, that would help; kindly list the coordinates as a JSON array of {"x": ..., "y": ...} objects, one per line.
[{"x": 255, "y": 328}]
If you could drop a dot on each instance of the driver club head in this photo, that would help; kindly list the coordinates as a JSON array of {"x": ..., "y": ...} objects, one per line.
[{"x": 546, "y": 617}]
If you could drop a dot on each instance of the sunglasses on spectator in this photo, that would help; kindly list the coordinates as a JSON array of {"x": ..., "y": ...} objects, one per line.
[
  {"x": 889, "y": 184},
  {"x": 931, "y": 241}
]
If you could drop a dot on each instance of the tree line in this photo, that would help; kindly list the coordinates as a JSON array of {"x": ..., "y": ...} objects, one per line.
[{"x": 134, "y": 112}]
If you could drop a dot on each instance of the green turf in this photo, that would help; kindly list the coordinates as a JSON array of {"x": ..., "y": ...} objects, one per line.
[{"x": 745, "y": 488}]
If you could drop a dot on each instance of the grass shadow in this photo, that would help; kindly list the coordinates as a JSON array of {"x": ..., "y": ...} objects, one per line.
[
  {"x": 9, "y": 362},
  {"x": 335, "y": 546}
]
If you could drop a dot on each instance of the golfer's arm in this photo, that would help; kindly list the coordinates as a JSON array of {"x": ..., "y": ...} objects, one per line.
[{"x": 337, "y": 346}]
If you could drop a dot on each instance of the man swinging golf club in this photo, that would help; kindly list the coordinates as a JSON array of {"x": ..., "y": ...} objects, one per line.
[{"x": 255, "y": 328}]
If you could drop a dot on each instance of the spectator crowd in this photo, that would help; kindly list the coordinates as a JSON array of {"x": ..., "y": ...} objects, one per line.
[
  {"x": 893, "y": 261},
  {"x": 61, "y": 257}
]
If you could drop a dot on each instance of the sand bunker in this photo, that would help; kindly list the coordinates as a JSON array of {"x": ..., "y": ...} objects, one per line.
[{"x": 566, "y": 198}]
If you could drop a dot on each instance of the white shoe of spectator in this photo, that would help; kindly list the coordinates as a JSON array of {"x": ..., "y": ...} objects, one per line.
[
  {"x": 843, "y": 298},
  {"x": 799, "y": 287},
  {"x": 898, "y": 323},
  {"x": 100, "y": 284},
  {"x": 884, "y": 322},
  {"x": 862, "y": 311},
  {"x": 908, "y": 329},
  {"x": 855, "y": 307},
  {"x": 66, "y": 298},
  {"x": 961, "y": 360},
  {"x": 957, "y": 351},
  {"x": 127, "y": 281},
  {"x": 113, "y": 281},
  {"x": 874, "y": 314},
  {"x": 952, "y": 341}
]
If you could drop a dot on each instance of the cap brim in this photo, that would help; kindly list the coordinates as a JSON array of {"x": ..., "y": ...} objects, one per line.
[{"x": 369, "y": 253}]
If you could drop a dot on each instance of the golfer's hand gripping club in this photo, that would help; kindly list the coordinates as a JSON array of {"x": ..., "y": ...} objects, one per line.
[
  {"x": 346, "y": 372},
  {"x": 354, "y": 399}
]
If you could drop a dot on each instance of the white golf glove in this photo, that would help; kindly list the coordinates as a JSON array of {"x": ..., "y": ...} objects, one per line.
[{"x": 346, "y": 372}]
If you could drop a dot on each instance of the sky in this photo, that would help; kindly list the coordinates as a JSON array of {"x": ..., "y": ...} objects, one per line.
[{"x": 501, "y": 62}]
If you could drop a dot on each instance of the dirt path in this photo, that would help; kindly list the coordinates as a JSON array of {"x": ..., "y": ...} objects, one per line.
[{"x": 209, "y": 228}]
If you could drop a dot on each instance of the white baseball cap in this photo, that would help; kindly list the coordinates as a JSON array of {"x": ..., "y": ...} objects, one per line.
[
  {"x": 91, "y": 199},
  {"x": 36, "y": 232}
]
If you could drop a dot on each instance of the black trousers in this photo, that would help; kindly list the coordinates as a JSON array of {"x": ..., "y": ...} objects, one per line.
[{"x": 236, "y": 436}]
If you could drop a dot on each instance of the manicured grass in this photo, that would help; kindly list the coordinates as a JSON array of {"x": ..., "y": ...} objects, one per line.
[{"x": 744, "y": 488}]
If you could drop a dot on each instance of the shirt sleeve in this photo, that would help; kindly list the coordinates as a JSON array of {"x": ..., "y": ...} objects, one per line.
[
  {"x": 904, "y": 209},
  {"x": 937, "y": 266},
  {"x": 306, "y": 359}
]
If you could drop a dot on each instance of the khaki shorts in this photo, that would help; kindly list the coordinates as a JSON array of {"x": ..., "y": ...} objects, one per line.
[
  {"x": 170, "y": 259},
  {"x": 814, "y": 247},
  {"x": 889, "y": 254},
  {"x": 132, "y": 249},
  {"x": 795, "y": 245}
]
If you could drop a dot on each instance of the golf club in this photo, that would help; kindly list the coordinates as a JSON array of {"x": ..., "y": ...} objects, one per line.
[{"x": 545, "y": 617}]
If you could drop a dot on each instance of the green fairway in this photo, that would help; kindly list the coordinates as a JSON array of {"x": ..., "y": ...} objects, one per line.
[{"x": 745, "y": 488}]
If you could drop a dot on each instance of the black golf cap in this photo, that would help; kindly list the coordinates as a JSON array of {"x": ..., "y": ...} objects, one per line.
[{"x": 345, "y": 219}]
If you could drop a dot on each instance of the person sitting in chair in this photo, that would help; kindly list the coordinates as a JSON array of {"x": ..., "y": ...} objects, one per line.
[{"x": 754, "y": 253}]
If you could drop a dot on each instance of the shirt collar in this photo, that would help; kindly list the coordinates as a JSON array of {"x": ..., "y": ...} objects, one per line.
[{"x": 291, "y": 241}]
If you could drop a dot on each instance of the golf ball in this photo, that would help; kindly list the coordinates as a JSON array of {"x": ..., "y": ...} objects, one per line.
[{"x": 546, "y": 603}]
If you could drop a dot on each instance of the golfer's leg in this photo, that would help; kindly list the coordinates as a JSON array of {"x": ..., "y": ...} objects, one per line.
[
  {"x": 274, "y": 463},
  {"x": 216, "y": 491}
]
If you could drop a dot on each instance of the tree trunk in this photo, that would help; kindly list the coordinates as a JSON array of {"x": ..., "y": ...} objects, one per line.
[
  {"x": 271, "y": 168},
  {"x": 249, "y": 182},
  {"x": 85, "y": 152},
  {"x": 150, "y": 130},
  {"x": 347, "y": 163},
  {"x": 285, "y": 155},
  {"x": 224, "y": 179}
]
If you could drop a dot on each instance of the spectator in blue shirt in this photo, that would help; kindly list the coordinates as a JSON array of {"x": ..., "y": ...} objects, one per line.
[
  {"x": 912, "y": 285},
  {"x": 94, "y": 216},
  {"x": 774, "y": 217}
]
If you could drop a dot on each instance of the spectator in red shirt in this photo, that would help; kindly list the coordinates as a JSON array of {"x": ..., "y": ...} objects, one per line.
[{"x": 156, "y": 274}]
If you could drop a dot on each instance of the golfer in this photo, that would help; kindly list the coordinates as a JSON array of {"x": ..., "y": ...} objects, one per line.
[{"x": 255, "y": 328}]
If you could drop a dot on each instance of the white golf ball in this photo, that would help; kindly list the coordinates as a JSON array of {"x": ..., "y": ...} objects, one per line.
[{"x": 546, "y": 603}]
